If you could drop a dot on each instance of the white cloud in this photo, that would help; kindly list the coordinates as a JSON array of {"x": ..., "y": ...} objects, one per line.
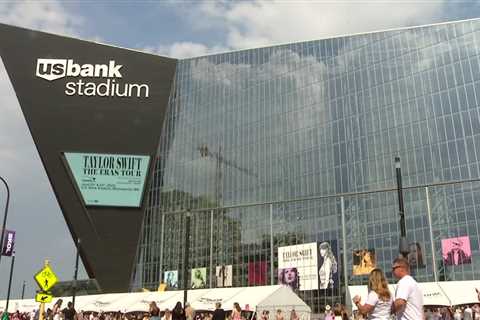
[
  {"x": 261, "y": 23},
  {"x": 48, "y": 16}
]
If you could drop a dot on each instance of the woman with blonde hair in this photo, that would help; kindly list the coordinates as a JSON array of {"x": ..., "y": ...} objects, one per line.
[{"x": 379, "y": 299}]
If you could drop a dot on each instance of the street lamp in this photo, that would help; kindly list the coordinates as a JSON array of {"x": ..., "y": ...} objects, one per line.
[
  {"x": 5, "y": 214},
  {"x": 75, "y": 275},
  {"x": 185, "y": 257},
  {"x": 403, "y": 244},
  {"x": 23, "y": 289},
  {"x": 10, "y": 281}
]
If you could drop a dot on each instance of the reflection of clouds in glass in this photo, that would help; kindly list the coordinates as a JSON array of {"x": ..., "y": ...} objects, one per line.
[
  {"x": 266, "y": 105},
  {"x": 234, "y": 78}
]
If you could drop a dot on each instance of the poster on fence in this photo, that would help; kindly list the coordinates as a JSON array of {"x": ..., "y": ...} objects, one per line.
[
  {"x": 456, "y": 251},
  {"x": 328, "y": 265},
  {"x": 363, "y": 261},
  {"x": 199, "y": 278},
  {"x": 289, "y": 277},
  {"x": 298, "y": 266},
  {"x": 171, "y": 279},
  {"x": 223, "y": 274},
  {"x": 415, "y": 255},
  {"x": 257, "y": 273}
]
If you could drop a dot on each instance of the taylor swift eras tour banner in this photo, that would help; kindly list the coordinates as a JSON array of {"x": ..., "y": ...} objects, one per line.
[
  {"x": 223, "y": 274},
  {"x": 456, "y": 251},
  {"x": 298, "y": 266},
  {"x": 171, "y": 279},
  {"x": 328, "y": 265},
  {"x": 363, "y": 261},
  {"x": 257, "y": 273},
  {"x": 199, "y": 278}
]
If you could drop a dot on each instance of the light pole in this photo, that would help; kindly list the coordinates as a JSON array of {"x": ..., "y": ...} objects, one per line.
[
  {"x": 185, "y": 257},
  {"x": 23, "y": 289},
  {"x": 403, "y": 244},
  {"x": 5, "y": 214},
  {"x": 75, "y": 273},
  {"x": 10, "y": 280}
]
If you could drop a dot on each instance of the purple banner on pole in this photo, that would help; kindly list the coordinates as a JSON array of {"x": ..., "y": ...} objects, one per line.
[{"x": 8, "y": 243}]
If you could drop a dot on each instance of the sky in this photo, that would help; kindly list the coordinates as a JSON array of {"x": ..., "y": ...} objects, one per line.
[{"x": 178, "y": 29}]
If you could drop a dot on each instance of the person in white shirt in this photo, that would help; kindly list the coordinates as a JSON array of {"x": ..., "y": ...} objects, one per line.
[
  {"x": 408, "y": 304},
  {"x": 458, "y": 314},
  {"x": 468, "y": 313},
  {"x": 379, "y": 300}
]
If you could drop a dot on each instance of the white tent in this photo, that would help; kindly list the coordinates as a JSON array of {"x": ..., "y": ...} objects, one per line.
[
  {"x": 280, "y": 298},
  {"x": 433, "y": 295},
  {"x": 97, "y": 302},
  {"x": 250, "y": 299},
  {"x": 461, "y": 292},
  {"x": 25, "y": 305},
  {"x": 140, "y": 301}
]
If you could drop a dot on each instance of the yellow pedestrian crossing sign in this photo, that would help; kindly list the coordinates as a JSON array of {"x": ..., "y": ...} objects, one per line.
[
  {"x": 43, "y": 297},
  {"x": 46, "y": 278}
]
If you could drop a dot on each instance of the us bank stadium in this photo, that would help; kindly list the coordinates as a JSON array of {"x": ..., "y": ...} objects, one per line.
[{"x": 274, "y": 150}]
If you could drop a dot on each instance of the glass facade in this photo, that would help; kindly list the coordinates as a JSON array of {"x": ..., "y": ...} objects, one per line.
[{"x": 296, "y": 143}]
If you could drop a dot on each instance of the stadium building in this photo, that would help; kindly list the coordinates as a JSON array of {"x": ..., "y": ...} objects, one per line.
[{"x": 282, "y": 157}]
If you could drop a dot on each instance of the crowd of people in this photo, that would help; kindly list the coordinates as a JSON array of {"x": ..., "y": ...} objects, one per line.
[
  {"x": 466, "y": 312},
  {"x": 405, "y": 304},
  {"x": 154, "y": 313}
]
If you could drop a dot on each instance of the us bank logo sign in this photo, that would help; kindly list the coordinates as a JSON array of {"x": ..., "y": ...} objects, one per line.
[{"x": 79, "y": 74}]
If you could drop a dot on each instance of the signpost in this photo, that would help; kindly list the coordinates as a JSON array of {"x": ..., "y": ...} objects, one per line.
[
  {"x": 45, "y": 279},
  {"x": 43, "y": 297}
]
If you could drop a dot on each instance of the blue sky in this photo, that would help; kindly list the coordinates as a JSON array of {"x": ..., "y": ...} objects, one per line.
[{"x": 178, "y": 29}]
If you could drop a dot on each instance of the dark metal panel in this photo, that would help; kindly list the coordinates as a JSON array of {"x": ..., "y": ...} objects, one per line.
[{"x": 60, "y": 122}]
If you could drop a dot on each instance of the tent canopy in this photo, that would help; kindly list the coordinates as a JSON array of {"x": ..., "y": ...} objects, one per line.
[
  {"x": 461, "y": 292},
  {"x": 250, "y": 299}
]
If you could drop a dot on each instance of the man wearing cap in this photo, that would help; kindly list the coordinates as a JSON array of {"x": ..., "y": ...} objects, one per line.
[{"x": 408, "y": 304}]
